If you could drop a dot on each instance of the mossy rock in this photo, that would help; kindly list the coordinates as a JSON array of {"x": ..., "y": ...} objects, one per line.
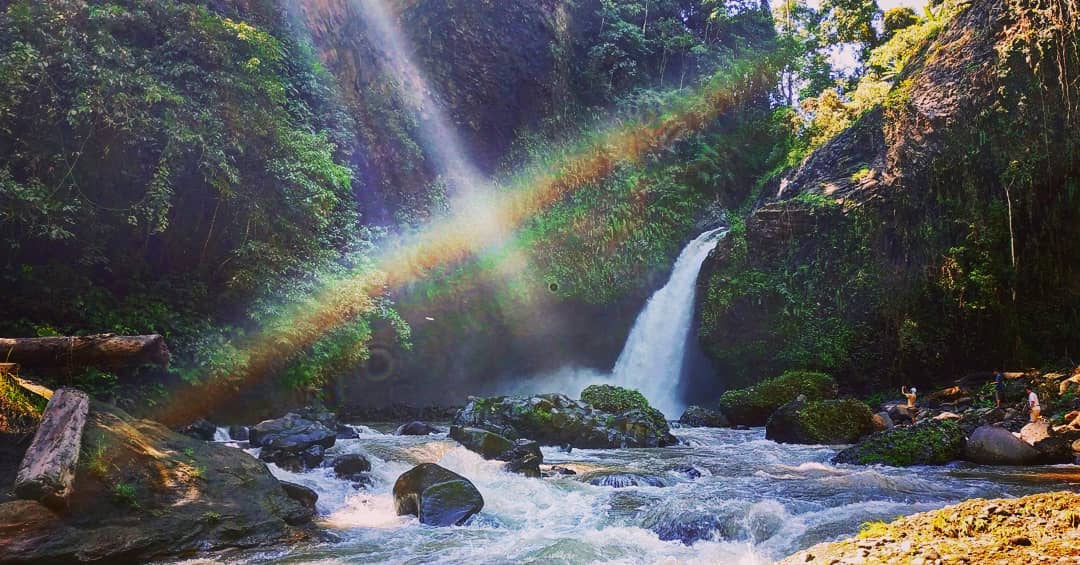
[
  {"x": 820, "y": 422},
  {"x": 753, "y": 405},
  {"x": 934, "y": 442},
  {"x": 618, "y": 400}
]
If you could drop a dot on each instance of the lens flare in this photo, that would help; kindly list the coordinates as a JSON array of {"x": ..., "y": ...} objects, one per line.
[{"x": 478, "y": 226}]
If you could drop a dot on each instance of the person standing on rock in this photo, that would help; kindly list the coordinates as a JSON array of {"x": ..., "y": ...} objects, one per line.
[
  {"x": 999, "y": 388},
  {"x": 912, "y": 409},
  {"x": 1033, "y": 404}
]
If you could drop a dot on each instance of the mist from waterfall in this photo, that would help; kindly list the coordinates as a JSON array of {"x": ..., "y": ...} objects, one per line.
[
  {"x": 652, "y": 359},
  {"x": 439, "y": 137}
]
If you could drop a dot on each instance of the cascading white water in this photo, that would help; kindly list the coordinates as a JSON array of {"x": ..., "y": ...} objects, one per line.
[{"x": 652, "y": 359}]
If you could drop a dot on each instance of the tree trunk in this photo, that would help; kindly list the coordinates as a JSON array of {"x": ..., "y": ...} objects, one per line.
[
  {"x": 104, "y": 351},
  {"x": 48, "y": 468}
]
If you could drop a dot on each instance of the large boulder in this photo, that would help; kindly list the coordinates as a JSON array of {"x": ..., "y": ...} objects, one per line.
[
  {"x": 488, "y": 444},
  {"x": 619, "y": 400},
  {"x": 437, "y": 496},
  {"x": 700, "y": 417},
  {"x": 933, "y": 442},
  {"x": 994, "y": 445},
  {"x": 753, "y": 405},
  {"x": 143, "y": 492},
  {"x": 292, "y": 434},
  {"x": 556, "y": 419},
  {"x": 820, "y": 422}
]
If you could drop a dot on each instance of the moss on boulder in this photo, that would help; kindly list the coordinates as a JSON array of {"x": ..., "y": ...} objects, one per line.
[
  {"x": 820, "y": 422},
  {"x": 618, "y": 400},
  {"x": 753, "y": 405},
  {"x": 934, "y": 442}
]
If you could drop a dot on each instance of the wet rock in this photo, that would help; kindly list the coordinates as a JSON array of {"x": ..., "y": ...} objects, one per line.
[
  {"x": 555, "y": 419},
  {"x": 292, "y": 433},
  {"x": 345, "y": 432},
  {"x": 238, "y": 503},
  {"x": 200, "y": 429},
  {"x": 933, "y": 442},
  {"x": 437, "y": 496},
  {"x": 350, "y": 464},
  {"x": 994, "y": 445},
  {"x": 562, "y": 471},
  {"x": 820, "y": 422},
  {"x": 616, "y": 479},
  {"x": 900, "y": 413},
  {"x": 689, "y": 527},
  {"x": 752, "y": 406},
  {"x": 415, "y": 428},
  {"x": 1054, "y": 450},
  {"x": 292, "y": 461},
  {"x": 524, "y": 458},
  {"x": 688, "y": 471},
  {"x": 302, "y": 494},
  {"x": 697, "y": 416},
  {"x": 488, "y": 444},
  {"x": 238, "y": 433}
]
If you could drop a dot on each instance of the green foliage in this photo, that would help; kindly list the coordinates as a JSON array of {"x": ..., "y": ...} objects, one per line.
[
  {"x": 753, "y": 405},
  {"x": 20, "y": 410},
  {"x": 614, "y": 399},
  {"x": 97, "y": 383},
  {"x": 618, "y": 400},
  {"x": 898, "y": 18},
  {"x": 934, "y": 442},
  {"x": 835, "y": 421},
  {"x": 126, "y": 494}
]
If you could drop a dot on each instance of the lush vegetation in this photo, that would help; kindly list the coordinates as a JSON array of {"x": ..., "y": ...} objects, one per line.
[
  {"x": 164, "y": 167},
  {"x": 934, "y": 442},
  {"x": 753, "y": 405},
  {"x": 962, "y": 266}
]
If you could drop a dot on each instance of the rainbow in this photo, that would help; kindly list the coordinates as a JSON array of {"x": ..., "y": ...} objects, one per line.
[{"x": 475, "y": 226}]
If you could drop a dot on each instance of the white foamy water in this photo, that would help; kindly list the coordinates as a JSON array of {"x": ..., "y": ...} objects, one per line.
[
  {"x": 754, "y": 501},
  {"x": 652, "y": 359}
]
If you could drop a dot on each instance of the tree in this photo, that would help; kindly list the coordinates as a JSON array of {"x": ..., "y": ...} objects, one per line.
[{"x": 897, "y": 19}]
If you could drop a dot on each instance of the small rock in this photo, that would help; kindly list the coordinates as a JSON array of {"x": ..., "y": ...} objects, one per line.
[
  {"x": 697, "y": 416},
  {"x": 238, "y": 433},
  {"x": 301, "y": 494},
  {"x": 345, "y": 432},
  {"x": 488, "y": 444},
  {"x": 415, "y": 429},
  {"x": 200, "y": 429}
]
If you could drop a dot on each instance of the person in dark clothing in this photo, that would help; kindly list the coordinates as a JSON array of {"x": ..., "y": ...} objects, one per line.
[{"x": 999, "y": 388}]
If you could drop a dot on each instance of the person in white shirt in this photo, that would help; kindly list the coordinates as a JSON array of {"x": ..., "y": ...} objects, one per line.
[{"x": 1033, "y": 404}]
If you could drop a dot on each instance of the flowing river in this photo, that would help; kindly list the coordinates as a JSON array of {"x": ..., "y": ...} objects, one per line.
[{"x": 737, "y": 497}]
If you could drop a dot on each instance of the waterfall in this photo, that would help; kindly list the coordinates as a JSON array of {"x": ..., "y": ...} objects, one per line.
[{"x": 652, "y": 359}]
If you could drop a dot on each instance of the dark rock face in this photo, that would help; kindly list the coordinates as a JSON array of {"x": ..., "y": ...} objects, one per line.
[
  {"x": 292, "y": 433},
  {"x": 524, "y": 458},
  {"x": 934, "y": 442},
  {"x": 822, "y": 422},
  {"x": 350, "y": 465},
  {"x": 437, "y": 496},
  {"x": 238, "y": 433},
  {"x": 556, "y": 419},
  {"x": 293, "y": 461},
  {"x": 345, "y": 432},
  {"x": 699, "y": 417},
  {"x": 415, "y": 428},
  {"x": 488, "y": 444},
  {"x": 152, "y": 514},
  {"x": 994, "y": 445},
  {"x": 302, "y": 494},
  {"x": 200, "y": 429}
]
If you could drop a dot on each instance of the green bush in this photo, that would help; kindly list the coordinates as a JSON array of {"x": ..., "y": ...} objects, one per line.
[
  {"x": 618, "y": 400},
  {"x": 753, "y": 405}
]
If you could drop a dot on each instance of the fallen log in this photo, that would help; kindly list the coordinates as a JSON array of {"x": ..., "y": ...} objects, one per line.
[
  {"x": 48, "y": 468},
  {"x": 103, "y": 351}
]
